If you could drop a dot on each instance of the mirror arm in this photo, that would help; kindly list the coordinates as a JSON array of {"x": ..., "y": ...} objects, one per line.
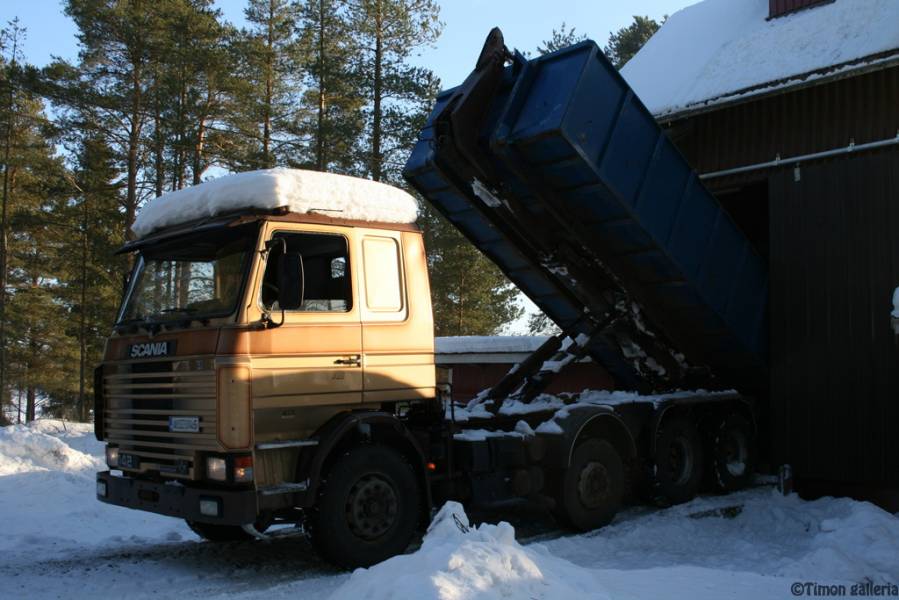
[{"x": 267, "y": 321}]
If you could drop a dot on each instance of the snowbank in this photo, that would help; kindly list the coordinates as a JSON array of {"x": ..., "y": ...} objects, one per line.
[
  {"x": 25, "y": 449},
  {"x": 716, "y": 50},
  {"x": 783, "y": 539},
  {"x": 48, "y": 494},
  {"x": 460, "y": 562},
  {"x": 299, "y": 191}
]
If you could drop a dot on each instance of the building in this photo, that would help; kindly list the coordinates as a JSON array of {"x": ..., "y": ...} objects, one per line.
[
  {"x": 789, "y": 110},
  {"x": 479, "y": 362}
]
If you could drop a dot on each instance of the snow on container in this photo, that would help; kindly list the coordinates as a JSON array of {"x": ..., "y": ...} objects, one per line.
[{"x": 571, "y": 187}]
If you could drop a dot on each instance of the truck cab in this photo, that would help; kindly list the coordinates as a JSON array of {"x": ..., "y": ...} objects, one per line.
[{"x": 249, "y": 341}]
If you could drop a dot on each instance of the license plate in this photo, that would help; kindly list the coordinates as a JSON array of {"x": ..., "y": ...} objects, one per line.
[
  {"x": 184, "y": 424},
  {"x": 129, "y": 461}
]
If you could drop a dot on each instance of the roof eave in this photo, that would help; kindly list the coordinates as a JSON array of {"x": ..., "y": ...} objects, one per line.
[{"x": 868, "y": 64}]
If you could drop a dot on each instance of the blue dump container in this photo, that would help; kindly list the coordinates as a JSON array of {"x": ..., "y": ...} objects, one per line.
[{"x": 576, "y": 193}]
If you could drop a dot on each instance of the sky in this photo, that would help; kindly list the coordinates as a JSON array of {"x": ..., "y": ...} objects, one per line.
[{"x": 525, "y": 24}]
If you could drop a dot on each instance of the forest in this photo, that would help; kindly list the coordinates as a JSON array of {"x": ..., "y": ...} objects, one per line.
[{"x": 166, "y": 94}]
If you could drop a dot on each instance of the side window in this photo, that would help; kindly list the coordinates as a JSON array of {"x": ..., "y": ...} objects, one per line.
[
  {"x": 383, "y": 288},
  {"x": 326, "y": 266}
]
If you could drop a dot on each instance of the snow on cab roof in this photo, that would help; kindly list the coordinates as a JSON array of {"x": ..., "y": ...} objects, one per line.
[
  {"x": 297, "y": 190},
  {"x": 721, "y": 50}
]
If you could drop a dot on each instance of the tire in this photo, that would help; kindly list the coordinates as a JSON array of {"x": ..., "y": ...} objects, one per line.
[
  {"x": 592, "y": 487},
  {"x": 733, "y": 453},
  {"x": 226, "y": 533},
  {"x": 368, "y": 508},
  {"x": 678, "y": 461}
]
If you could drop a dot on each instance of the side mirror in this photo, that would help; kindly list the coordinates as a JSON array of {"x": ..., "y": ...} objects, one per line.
[{"x": 291, "y": 280}]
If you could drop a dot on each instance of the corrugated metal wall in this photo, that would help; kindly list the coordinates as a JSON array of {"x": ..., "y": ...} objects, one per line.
[
  {"x": 864, "y": 108},
  {"x": 781, "y": 7},
  {"x": 835, "y": 359}
]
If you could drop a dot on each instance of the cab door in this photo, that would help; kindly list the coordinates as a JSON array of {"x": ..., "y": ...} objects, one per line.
[{"x": 313, "y": 361}]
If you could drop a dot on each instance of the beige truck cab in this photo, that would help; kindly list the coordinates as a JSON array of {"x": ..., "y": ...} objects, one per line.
[{"x": 258, "y": 345}]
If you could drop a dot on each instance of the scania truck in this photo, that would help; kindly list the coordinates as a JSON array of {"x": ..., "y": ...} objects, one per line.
[{"x": 272, "y": 363}]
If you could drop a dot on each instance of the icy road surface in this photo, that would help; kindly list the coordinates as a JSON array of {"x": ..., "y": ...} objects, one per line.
[{"x": 59, "y": 542}]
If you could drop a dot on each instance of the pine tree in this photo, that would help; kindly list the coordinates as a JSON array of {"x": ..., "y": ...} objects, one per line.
[
  {"x": 332, "y": 120},
  {"x": 397, "y": 94},
  {"x": 469, "y": 294},
  {"x": 627, "y": 41},
  {"x": 561, "y": 38},
  {"x": 89, "y": 271},
  {"x": 269, "y": 53},
  {"x": 115, "y": 74}
]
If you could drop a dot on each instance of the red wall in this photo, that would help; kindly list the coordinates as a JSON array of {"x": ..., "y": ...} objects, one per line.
[
  {"x": 469, "y": 379},
  {"x": 781, "y": 7}
]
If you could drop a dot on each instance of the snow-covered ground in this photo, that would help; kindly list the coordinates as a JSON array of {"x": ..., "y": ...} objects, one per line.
[{"x": 59, "y": 542}]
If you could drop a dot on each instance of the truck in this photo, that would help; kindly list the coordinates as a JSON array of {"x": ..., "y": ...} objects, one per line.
[{"x": 272, "y": 363}]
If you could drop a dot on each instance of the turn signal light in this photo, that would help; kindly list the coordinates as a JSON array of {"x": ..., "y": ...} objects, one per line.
[{"x": 243, "y": 468}]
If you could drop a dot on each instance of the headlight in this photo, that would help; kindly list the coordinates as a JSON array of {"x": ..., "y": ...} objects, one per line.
[
  {"x": 216, "y": 468},
  {"x": 101, "y": 488},
  {"x": 112, "y": 456}
]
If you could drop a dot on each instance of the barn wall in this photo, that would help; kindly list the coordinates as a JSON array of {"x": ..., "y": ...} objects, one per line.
[
  {"x": 835, "y": 358},
  {"x": 862, "y": 109}
]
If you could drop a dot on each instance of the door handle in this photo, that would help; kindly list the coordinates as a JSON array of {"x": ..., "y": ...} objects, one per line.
[{"x": 353, "y": 361}]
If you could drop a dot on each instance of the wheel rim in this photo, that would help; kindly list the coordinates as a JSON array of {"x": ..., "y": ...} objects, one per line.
[
  {"x": 371, "y": 507},
  {"x": 736, "y": 453},
  {"x": 680, "y": 460},
  {"x": 593, "y": 485}
]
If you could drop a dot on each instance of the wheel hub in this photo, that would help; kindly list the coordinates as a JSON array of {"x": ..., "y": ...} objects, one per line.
[
  {"x": 371, "y": 507},
  {"x": 736, "y": 453},
  {"x": 680, "y": 460},
  {"x": 593, "y": 486}
]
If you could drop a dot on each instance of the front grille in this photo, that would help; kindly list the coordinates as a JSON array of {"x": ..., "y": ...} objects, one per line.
[{"x": 141, "y": 396}]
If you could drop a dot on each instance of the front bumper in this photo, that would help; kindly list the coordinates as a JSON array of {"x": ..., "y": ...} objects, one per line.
[{"x": 235, "y": 507}]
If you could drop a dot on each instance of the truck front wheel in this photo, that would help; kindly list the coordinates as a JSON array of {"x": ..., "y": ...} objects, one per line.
[
  {"x": 592, "y": 487},
  {"x": 367, "y": 509}
]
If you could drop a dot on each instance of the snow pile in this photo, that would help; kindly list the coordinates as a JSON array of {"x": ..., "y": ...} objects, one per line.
[
  {"x": 25, "y": 449},
  {"x": 299, "y": 191},
  {"x": 895, "y": 313},
  {"x": 48, "y": 494},
  {"x": 782, "y": 539},
  {"x": 720, "y": 49},
  {"x": 457, "y": 562}
]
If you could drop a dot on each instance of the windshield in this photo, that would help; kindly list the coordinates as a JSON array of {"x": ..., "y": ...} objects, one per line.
[{"x": 193, "y": 276}]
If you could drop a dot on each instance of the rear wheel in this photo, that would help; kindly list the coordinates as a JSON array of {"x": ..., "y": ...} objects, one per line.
[
  {"x": 592, "y": 487},
  {"x": 367, "y": 509},
  {"x": 678, "y": 461},
  {"x": 733, "y": 453}
]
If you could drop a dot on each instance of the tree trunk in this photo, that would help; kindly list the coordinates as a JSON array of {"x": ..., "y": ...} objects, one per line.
[
  {"x": 269, "y": 88},
  {"x": 30, "y": 397},
  {"x": 4, "y": 224},
  {"x": 198, "y": 152},
  {"x": 158, "y": 148},
  {"x": 133, "y": 149},
  {"x": 376, "y": 168},
  {"x": 320, "y": 138},
  {"x": 82, "y": 325}
]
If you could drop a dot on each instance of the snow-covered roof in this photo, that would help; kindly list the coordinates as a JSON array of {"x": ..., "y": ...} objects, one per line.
[
  {"x": 716, "y": 51},
  {"x": 297, "y": 190}
]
